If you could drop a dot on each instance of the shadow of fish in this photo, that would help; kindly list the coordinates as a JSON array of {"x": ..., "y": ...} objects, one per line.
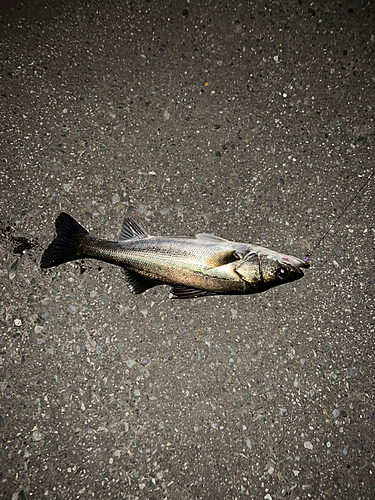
[{"x": 193, "y": 267}]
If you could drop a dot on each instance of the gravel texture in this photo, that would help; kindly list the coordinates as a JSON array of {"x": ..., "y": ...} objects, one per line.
[{"x": 253, "y": 121}]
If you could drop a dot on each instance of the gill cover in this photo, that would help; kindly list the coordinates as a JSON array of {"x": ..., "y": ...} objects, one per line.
[{"x": 249, "y": 270}]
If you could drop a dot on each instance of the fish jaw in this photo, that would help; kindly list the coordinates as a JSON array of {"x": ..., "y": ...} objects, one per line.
[{"x": 296, "y": 262}]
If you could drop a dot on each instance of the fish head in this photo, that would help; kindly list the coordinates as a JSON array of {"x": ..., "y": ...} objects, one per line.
[{"x": 263, "y": 268}]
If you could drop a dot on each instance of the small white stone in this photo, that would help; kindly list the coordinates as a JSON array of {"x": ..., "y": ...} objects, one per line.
[
  {"x": 36, "y": 435},
  {"x": 115, "y": 199},
  {"x": 234, "y": 313},
  {"x": 308, "y": 445},
  {"x": 18, "y": 322}
]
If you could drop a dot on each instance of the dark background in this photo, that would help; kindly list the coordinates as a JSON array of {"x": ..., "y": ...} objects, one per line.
[{"x": 252, "y": 120}]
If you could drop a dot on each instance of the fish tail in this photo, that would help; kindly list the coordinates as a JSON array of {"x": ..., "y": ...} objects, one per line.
[{"x": 65, "y": 247}]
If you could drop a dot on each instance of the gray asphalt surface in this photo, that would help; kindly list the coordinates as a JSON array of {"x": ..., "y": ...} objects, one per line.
[{"x": 253, "y": 121}]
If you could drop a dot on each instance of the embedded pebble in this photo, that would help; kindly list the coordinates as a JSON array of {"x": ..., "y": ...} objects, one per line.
[
  {"x": 308, "y": 445},
  {"x": 18, "y": 322},
  {"x": 72, "y": 309},
  {"x": 115, "y": 199},
  {"x": 44, "y": 316},
  {"x": 144, "y": 372},
  {"x": 283, "y": 412},
  {"x": 36, "y": 436}
]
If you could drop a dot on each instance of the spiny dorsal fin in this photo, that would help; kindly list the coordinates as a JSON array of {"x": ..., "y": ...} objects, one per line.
[
  {"x": 209, "y": 238},
  {"x": 185, "y": 292},
  {"x": 138, "y": 283},
  {"x": 131, "y": 230}
]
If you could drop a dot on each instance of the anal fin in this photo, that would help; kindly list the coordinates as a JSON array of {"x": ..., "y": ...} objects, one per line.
[
  {"x": 138, "y": 283},
  {"x": 185, "y": 292}
]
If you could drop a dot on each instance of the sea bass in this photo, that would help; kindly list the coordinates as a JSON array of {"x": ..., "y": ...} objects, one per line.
[{"x": 193, "y": 267}]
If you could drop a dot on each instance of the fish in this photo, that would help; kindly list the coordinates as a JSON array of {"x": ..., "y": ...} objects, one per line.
[{"x": 193, "y": 267}]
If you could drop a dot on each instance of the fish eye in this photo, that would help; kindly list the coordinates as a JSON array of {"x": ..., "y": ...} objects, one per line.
[{"x": 282, "y": 273}]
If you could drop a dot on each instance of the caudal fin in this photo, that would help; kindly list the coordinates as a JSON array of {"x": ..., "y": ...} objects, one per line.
[{"x": 64, "y": 247}]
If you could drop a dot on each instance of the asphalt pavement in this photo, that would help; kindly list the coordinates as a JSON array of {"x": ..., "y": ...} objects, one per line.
[{"x": 250, "y": 120}]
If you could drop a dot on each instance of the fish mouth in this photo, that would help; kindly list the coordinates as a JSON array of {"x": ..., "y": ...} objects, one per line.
[{"x": 296, "y": 263}]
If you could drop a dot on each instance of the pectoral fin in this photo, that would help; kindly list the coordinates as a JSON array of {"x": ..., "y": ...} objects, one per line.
[
  {"x": 185, "y": 292},
  {"x": 222, "y": 258},
  {"x": 138, "y": 283}
]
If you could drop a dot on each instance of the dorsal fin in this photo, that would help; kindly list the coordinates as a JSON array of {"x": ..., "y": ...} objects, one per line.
[
  {"x": 131, "y": 230},
  {"x": 210, "y": 238}
]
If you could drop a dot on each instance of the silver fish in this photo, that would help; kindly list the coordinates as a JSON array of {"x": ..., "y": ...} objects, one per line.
[{"x": 193, "y": 267}]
